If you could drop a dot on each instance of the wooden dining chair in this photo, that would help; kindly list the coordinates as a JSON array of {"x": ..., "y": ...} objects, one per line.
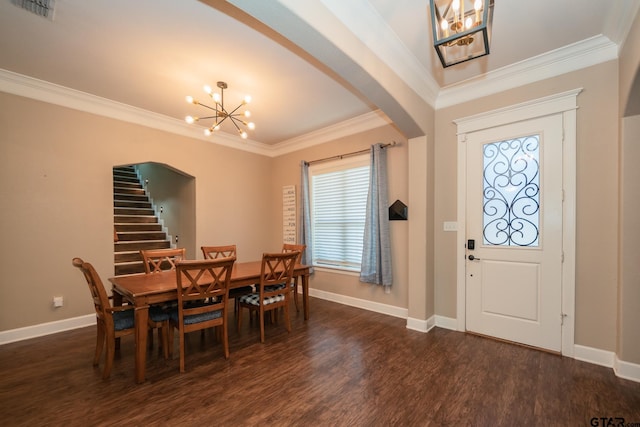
[
  {"x": 203, "y": 291},
  {"x": 112, "y": 322},
  {"x": 213, "y": 252},
  {"x": 276, "y": 273},
  {"x": 155, "y": 261},
  {"x": 287, "y": 247}
]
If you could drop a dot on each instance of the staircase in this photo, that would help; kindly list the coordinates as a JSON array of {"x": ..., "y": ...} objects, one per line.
[{"x": 135, "y": 223}]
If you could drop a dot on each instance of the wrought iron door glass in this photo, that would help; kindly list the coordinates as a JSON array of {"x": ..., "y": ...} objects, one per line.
[{"x": 511, "y": 192}]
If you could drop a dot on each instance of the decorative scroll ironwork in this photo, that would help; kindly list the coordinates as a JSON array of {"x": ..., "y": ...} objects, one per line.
[{"x": 511, "y": 192}]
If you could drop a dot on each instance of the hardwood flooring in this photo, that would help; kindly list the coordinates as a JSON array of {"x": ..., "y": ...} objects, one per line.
[{"x": 344, "y": 367}]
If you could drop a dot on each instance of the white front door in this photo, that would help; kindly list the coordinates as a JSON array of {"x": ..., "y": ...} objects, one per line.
[{"x": 514, "y": 218}]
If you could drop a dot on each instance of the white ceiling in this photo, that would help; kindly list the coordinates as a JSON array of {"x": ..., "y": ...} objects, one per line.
[{"x": 307, "y": 64}]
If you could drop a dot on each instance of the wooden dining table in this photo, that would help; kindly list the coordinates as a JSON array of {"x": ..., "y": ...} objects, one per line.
[{"x": 141, "y": 290}]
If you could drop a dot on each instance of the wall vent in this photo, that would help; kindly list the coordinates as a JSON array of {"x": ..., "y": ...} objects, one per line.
[{"x": 42, "y": 8}]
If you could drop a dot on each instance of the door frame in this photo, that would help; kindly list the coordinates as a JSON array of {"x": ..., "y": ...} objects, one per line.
[{"x": 564, "y": 104}]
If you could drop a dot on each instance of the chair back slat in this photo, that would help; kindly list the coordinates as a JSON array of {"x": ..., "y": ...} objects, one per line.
[
  {"x": 204, "y": 281},
  {"x": 277, "y": 268},
  {"x": 156, "y": 260},
  {"x": 287, "y": 247},
  {"x": 213, "y": 252}
]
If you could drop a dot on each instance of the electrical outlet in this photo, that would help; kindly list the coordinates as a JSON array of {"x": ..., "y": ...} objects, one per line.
[{"x": 58, "y": 301}]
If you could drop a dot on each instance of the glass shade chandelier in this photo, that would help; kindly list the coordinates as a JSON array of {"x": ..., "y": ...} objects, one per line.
[
  {"x": 461, "y": 29},
  {"x": 219, "y": 113}
]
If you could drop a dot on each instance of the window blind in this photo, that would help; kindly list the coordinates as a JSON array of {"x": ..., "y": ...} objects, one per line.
[{"x": 339, "y": 199}]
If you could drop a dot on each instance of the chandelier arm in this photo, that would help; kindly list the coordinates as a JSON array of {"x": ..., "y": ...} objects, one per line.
[
  {"x": 233, "y": 120},
  {"x": 206, "y": 106}
]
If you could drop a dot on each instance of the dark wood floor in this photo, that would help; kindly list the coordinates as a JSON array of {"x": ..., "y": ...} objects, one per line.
[{"x": 344, "y": 367}]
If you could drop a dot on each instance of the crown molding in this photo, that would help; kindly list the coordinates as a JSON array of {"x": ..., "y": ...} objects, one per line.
[
  {"x": 583, "y": 54},
  {"x": 352, "y": 126},
  {"x": 40, "y": 90}
]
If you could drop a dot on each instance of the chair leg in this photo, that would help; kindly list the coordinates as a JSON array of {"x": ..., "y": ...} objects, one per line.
[
  {"x": 262, "y": 324},
  {"x": 287, "y": 320},
  {"x": 100, "y": 339},
  {"x": 166, "y": 329},
  {"x": 181, "y": 350},
  {"x": 225, "y": 339},
  {"x": 295, "y": 293},
  {"x": 108, "y": 362}
]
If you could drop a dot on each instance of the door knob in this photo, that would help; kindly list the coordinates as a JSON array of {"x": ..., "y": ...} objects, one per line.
[{"x": 471, "y": 258}]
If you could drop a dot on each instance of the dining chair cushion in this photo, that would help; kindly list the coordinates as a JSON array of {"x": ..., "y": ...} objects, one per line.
[
  {"x": 254, "y": 299},
  {"x": 197, "y": 318},
  {"x": 123, "y": 320}
]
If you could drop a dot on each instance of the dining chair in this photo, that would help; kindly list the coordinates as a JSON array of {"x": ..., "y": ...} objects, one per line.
[
  {"x": 213, "y": 252},
  {"x": 203, "y": 291},
  {"x": 155, "y": 261},
  {"x": 112, "y": 322},
  {"x": 287, "y": 247},
  {"x": 276, "y": 273}
]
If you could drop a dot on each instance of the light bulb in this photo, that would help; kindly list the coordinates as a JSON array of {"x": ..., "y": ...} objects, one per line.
[
  {"x": 247, "y": 113},
  {"x": 251, "y": 125},
  {"x": 456, "y": 5},
  {"x": 444, "y": 24},
  {"x": 247, "y": 99},
  {"x": 207, "y": 132},
  {"x": 189, "y": 99},
  {"x": 468, "y": 23},
  {"x": 190, "y": 119},
  {"x": 477, "y": 5},
  {"x": 207, "y": 89},
  {"x": 243, "y": 135},
  {"x": 216, "y": 127},
  {"x": 216, "y": 97}
]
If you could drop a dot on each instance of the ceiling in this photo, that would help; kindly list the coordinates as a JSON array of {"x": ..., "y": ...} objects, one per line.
[{"x": 308, "y": 65}]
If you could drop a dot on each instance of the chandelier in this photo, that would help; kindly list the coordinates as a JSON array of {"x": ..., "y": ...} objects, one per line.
[
  {"x": 219, "y": 113},
  {"x": 461, "y": 29}
]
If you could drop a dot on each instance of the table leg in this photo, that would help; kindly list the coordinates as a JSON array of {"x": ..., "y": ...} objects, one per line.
[
  {"x": 141, "y": 320},
  {"x": 305, "y": 295},
  {"x": 117, "y": 302}
]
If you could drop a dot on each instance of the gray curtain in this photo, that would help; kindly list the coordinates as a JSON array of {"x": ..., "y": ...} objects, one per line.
[
  {"x": 376, "y": 251},
  {"x": 305, "y": 214}
]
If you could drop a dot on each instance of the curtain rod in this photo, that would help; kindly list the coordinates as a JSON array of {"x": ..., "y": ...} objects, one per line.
[{"x": 354, "y": 153}]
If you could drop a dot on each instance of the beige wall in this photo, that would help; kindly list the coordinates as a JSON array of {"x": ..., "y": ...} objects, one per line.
[
  {"x": 597, "y": 196},
  {"x": 629, "y": 303},
  {"x": 57, "y": 200},
  {"x": 286, "y": 171}
]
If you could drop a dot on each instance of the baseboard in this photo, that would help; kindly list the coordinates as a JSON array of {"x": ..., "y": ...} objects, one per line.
[
  {"x": 421, "y": 325},
  {"x": 593, "y": 355},
  {"x": 608, "y": 359},
  {"x": 627, "y": 370},
  {"x": 48, "y": 328},
  {"x": 361, "y": 303},
  {"x": 447, "y": 323}
]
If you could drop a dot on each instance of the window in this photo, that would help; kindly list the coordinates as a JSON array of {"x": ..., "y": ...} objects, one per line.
[{"x": 338, "y": 193}]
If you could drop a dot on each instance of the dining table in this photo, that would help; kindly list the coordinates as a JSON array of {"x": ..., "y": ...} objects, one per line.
[{"x": 142, "y": 290}]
